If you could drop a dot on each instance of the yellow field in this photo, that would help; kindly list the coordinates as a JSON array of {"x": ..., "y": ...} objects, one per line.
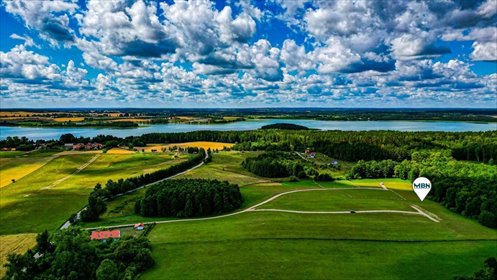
[
  {"x": 14, "y": 243},
  {"x": 230, "y": 118},
  {"x": 16, "y": 168},
  {"x": 72, "y": 119},
  {"x": 131, "y": 120},
  {"x": 119, "y": 151},
  {"x": 199, "y": 144},
  {"x": 185, "y": 118}
]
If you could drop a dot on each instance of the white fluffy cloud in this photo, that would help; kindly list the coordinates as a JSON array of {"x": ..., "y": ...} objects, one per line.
[
  {"x": 176, "y": 51},
  {"x": 49, "y": 17}
]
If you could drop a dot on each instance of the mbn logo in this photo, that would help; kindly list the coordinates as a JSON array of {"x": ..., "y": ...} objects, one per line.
[{"x": 422, "y": 186}]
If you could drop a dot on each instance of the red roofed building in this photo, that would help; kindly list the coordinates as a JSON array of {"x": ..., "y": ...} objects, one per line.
[{"x": 105, "y": 234}]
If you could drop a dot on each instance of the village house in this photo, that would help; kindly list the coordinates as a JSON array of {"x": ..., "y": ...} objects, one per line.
[
  {"x": 139, "y": 226},
  {"x": 105, "y": 234}
]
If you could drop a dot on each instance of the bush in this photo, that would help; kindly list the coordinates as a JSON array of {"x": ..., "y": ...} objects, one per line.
[
  {"x": 488, "y": 219},
  {"x": 323, "y": 177}
]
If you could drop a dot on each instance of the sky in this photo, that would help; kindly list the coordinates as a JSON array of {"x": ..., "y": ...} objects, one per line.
[{"x": 248, "y": 53}]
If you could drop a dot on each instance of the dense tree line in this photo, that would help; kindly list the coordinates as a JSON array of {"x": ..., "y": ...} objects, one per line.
[
  {"x": 347, "y": 145},
  {"x": 286, "y": 126},
  {"x": 274, "y": 165},
  {"x": 96, "y": 201},
  {"x": 464, "y": 187},
  {"x": 21, "y": 144},
  {"x": 189, "y": 198},
  {"x": 96, "y": 205},
  {"x": 70, "y": 254}
]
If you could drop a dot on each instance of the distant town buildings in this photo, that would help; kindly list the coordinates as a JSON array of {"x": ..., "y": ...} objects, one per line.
[{"x": 81, "y": 146}]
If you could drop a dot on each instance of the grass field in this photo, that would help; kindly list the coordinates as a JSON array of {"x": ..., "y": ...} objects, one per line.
[
  {"x": 297, "y": 246},
  {"x": 16, "y": 168},
  {"x": 48, "y": 196}
]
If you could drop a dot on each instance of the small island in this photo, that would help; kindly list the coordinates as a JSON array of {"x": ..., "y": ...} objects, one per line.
[{"x": 285, "y": 126}]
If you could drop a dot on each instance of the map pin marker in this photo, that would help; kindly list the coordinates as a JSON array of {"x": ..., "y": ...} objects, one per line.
[{"x": 421, "y": 187}]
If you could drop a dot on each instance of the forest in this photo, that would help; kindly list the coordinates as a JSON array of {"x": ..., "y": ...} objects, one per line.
[
  {"x": 464, "y": 187},
  {"x": 70, "y": 254},
  {"x": 275, "y": 165},
  {"x": 189, "y": 198}
]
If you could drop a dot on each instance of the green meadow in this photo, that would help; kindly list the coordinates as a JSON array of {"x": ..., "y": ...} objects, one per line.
[
  {"x": 270, "y": 245},
  {"x": 46, "y": 197}
]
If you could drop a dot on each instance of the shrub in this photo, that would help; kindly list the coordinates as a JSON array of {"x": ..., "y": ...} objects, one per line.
[{"x": 323, "y": 177}]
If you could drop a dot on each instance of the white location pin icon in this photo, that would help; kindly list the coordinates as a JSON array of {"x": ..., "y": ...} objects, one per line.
[{"x": 421, "y": 187}]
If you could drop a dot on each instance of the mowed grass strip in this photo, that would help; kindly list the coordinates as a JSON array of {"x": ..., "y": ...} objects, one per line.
[
  {"x": 14, "y": 243},
  {"x": 339, "y": 200}
]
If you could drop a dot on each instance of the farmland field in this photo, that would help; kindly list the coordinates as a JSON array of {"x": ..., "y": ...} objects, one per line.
[
  {"x": 16, "y": 168},
  {"x": 199, "y": 144},
  {"x": 14, "y": 243},
  {"x": 28, "y": 204}
]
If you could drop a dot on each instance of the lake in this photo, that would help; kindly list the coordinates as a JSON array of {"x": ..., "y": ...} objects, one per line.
[{"x": 55, "y": 133}]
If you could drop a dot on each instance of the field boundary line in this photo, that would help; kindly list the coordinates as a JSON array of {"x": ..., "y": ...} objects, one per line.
[
  {"x": 426, "y": 213},
  {"x": 338, "y": 212},
  {"x": 398, "y": 194}
]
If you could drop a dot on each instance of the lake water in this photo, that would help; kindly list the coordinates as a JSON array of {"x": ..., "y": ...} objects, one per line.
[{"x": 55, "y": 133}]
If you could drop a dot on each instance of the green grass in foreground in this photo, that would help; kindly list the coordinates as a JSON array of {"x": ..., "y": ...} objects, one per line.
[
  {"x": 293, "y": 246},
  {"x": 317, "y": 259}
]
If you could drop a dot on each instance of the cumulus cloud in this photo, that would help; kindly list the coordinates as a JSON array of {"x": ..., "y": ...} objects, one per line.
[
  {"x": 415, "y": 45},
  {"x": 49, "y": 17},
  {"x": 121, "y": 30},
  {"x": 174, "y": 51},
  {"x": 484, "y": 51}
]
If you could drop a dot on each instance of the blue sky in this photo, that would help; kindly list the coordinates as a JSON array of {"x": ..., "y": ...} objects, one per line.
[{"x": 248, "y": 53}]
